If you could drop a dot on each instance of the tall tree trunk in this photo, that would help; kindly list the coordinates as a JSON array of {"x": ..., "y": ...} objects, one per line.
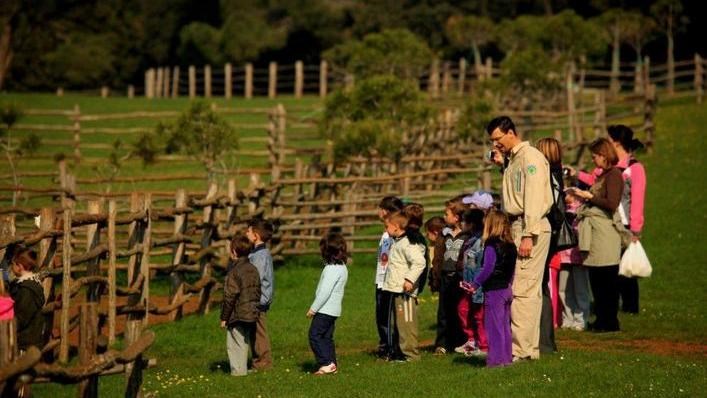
[
  {"x": 5, "y": 51},
  {"x": 477, "y": 61},
  {"x": 548, "y": 7},
  {"x": 671, "y": 58},
  {"x": 615, "y": 86}
]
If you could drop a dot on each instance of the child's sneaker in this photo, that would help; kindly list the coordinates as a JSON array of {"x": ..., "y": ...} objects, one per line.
[
  {"x": 477, "y": 353},
  {"x": 440, "y": 351},
  {"x": 466, "y": 348},
  {"x": 326, "y": 369}
]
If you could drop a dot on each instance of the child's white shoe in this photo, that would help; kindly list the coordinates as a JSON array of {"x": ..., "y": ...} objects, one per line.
[
  {"x": 326, "y": 369},
  {"x": 466, "y": 348}
]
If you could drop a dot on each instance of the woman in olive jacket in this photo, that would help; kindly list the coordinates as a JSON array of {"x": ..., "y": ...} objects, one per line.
[{"x": 599, "y": 237}]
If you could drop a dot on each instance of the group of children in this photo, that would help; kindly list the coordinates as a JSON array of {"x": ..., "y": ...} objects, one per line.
[
  {"x": 248, "y": 294},
  {"x": 470, "y": 261}
]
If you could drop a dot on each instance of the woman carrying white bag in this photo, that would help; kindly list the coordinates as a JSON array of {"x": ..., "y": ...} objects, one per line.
[
  {"x": 634, "y": 262},
  {"x": 632, "y": 201}
]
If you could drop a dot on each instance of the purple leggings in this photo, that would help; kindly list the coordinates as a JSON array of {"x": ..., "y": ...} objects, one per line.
[{"x": 497, "y": 311}]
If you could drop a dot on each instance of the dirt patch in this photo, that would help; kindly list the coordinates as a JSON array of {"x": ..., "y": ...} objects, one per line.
[{"x": 649, "y": 346}]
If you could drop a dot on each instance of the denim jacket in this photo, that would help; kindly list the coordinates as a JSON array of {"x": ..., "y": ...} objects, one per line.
[{"x": 473, "y": 257}]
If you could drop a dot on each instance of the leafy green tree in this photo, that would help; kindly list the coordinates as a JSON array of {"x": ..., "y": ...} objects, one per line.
[
  {"x": 530, "y": 70},
  {"x": 569, "y": 37},
  {"x": 397, "y": 52},
  {"x": 371, "y": 118},
  {"x": 520, "y": 33},
  {"x": 638, "y": 29},
  {"x": 200, "y": 43},
  {"x": 198, "y": 132},
  {"x": 13, "y": 149},
  {"x": 84, "y": 60},
  {"x": 470, "y": 32},
  {"x": 476, "y": 113}
]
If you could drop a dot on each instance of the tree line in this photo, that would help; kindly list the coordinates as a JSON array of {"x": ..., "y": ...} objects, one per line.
[{"x": 89, "y": 43}]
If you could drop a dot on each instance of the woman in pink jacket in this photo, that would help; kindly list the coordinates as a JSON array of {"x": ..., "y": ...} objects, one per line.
[{"x": 632, "y": 200}]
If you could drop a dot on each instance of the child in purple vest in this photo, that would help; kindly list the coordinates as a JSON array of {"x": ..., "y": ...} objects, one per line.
[{"x": 495, "y": 278}]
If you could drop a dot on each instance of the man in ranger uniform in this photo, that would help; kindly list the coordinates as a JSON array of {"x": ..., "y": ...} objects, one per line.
[{"x": 527, "y": 198}]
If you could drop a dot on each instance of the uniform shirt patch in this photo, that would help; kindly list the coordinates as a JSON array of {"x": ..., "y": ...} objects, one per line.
[{"x": 532, "y": 169}]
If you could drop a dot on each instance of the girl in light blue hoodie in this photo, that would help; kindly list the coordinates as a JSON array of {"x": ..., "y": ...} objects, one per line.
[{"x": 326, "y": 307}]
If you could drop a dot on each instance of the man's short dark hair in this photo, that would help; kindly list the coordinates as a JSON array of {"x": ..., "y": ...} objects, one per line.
[
  {"x": 391, "y": 204},
  {"x": 503, "y": 123},
  {"x": 261, "y": 227},
  {"x": 241, "y": 245}
]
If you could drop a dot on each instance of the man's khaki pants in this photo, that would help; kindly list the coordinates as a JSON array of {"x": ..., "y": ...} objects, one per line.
[{"x": 527, "y": 294}]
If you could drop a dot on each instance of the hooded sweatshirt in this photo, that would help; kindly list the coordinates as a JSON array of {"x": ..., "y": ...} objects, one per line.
[{"x": 29, "y": 300}]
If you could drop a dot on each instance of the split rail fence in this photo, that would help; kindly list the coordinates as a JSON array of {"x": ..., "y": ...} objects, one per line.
[{"x": 441, "y": 80}]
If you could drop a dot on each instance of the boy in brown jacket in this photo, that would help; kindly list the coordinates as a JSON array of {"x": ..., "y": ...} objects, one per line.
[{"x": 241, "y": 295}]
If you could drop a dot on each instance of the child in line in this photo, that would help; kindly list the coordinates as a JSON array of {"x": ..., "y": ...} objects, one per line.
[
  {"x": 387, "y": 205},
  {"x": 574, "y": 277},
  {"x": 415, "y": 213},
  {"x": 471, "y": 306},
  {"x": 405, "y": 265},
  {"x": 27, "y": 292},
  {"x": 447, "y": 278},
  {"x": 433, "y": 233},
  {"x": 239, "y": 311},
  {"x": 495, "y": 278},
  {"x": 326, "y": 307},
  {"x": 259, "y": 233}
]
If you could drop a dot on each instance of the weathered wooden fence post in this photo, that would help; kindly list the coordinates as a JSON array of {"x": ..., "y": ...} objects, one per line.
[
  {"x": 299, "y": 79},
  {"x": 571, "y": 116},
  {"x": 131, "y": 91},
  {"x": 648, "y": 115},
  {"x": 175, "y": 82},
  {"x": 281, "y": 130},
  {"x": 47, "y": 250},
  {"x": 207, "y": 81},
  {"x": 461, "y": 80},
  {"x": 208, "y": 234},
  {"x": 76, "y": 118},
  {"x": 177, "y": 277},
  {"x": 433, "y": 80},
  {"x": 227, "y": 80},
  {"x": 112, "y": 213},
  {"x": 136, "y": 301},
  {"x": 446, "y": 78},
  {"x": 192, "y": 82},
  {"x": 88, "y": 342},
  {"x": 149, "y": 83},
  {"x": 489, "y": 68},
  {"x": 600, "y": 114},
  {"x": 272, "y": 80},
  {"x": 646, "y": 73},
  {"x": 699, "y": 78},
  {"x": 323, "y": 78},
  {"x": 248, "y": 88},
  {"x": 159, "y": 82},
  {"x": 65, "y": 287},
  {"x": 638, "y": 77},
  {"x": 105, "y": 91},
  {"x": 167, "y": 88}
]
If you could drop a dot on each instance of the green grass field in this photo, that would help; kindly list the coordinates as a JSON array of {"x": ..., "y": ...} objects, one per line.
[{"x": 660, "y": 352}]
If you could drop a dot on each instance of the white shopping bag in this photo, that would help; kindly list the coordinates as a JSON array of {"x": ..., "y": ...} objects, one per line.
[{"x": 634, "y": 262}]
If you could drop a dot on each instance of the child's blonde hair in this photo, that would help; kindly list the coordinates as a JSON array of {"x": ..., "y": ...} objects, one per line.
[{"x": 496, "y": 225}]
